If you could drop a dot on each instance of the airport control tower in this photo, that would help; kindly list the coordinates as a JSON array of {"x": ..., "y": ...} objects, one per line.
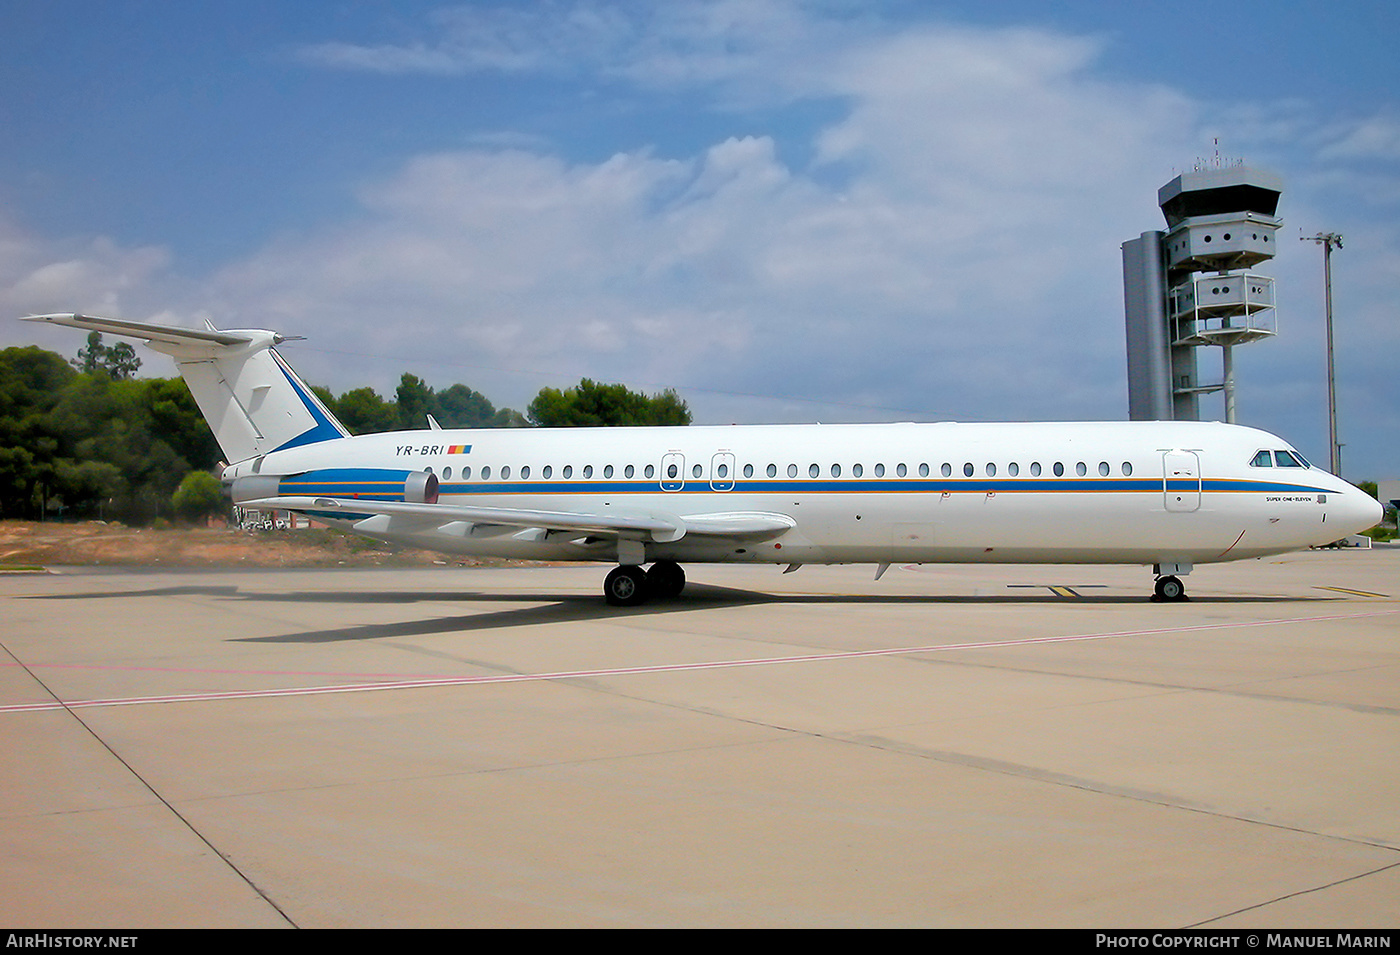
[{"x": 1191, "y": 287}]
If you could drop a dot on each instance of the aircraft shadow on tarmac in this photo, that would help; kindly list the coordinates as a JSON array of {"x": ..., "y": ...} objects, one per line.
[
  {"x": 553, "y": 608},
  {"x": 547, "y": 609}
]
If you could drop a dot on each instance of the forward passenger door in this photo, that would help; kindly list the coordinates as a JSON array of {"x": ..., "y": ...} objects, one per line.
[{"x": 1181, "y": 481}]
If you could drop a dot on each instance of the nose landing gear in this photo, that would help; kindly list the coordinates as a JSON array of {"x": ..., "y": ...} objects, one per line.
[{"x": 1169, "y": 588}]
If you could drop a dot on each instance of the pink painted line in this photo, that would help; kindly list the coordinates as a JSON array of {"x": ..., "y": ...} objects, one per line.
[{"x": 664, "y": 667}]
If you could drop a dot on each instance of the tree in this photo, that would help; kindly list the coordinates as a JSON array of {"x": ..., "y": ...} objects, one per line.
[
  {"x": 590, "y": 404},
  {"x": 32, "y": 381},
  {"x": 415, "y": 400},
  {"x": 461, "y": 407},
  {"x": 199, "y": 496},
  {"x": 118, "y": 362},
  {"x": 363, "y": 411}
]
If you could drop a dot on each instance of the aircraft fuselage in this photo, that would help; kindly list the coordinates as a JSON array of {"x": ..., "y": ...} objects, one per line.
[{"x": 1094, "y": 492}]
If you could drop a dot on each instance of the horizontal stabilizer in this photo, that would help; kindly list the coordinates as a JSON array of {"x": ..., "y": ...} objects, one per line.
[
  {"x": 254, "y": 403},
  {"x": 168, "y": 334}
]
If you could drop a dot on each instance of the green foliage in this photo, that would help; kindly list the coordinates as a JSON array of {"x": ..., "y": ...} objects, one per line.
[
  {"x": 590, "y": 404},
  {"x": 86, "y": 439},
  {"x": 118, "y": 362},
  {"x": 93, "y": 445},
  {"x": 199, "y": 496},
  {"x": 31, "y": 381},
  {"x": 415, "y": 400},
  {"x": 363, "y": 411}
]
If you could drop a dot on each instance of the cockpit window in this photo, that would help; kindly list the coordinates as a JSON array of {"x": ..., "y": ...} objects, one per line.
[
  {"x": 1262, "y": 460},
  {"x": 1288, "y": 459}
]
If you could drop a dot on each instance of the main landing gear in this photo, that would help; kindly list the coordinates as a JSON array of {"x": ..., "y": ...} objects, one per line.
[{"x": 628, "y": 585}]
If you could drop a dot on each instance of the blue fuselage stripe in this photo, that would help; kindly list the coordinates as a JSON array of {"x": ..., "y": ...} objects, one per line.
[{"x": 389, "y": 483}]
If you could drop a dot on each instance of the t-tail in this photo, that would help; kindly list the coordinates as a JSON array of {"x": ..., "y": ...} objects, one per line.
[{"x": 253, "y": 401}]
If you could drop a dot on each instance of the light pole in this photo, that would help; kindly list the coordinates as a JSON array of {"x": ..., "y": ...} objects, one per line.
[{"x": 1327, "y": 240}]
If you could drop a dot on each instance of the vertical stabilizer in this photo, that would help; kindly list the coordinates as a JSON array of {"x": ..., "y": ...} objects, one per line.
[{"x": 253, "y": 401}]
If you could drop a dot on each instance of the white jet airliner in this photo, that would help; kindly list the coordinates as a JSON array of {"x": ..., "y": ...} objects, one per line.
[{"x": 1166, "y": 494}]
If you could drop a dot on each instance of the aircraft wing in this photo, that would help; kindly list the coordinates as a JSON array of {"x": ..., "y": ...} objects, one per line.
[{"x": 482, "y": 521}]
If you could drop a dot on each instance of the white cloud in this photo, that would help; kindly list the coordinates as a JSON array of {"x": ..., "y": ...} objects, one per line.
[
  {"x": 952, "y": 250},
  {"x": 1373, "y": 137},
  {"x": 38, "y": 275},
  {"x": 544, "y": 37}
]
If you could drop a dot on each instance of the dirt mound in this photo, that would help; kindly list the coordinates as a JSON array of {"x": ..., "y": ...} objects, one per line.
[{"x": 26, "y": 544}]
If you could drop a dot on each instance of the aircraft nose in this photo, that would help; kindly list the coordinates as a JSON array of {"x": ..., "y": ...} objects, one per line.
[{"x": 1359, "y": 511}]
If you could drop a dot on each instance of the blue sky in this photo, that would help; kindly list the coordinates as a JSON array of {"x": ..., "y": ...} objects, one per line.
[{"x": 789, "y": 211}]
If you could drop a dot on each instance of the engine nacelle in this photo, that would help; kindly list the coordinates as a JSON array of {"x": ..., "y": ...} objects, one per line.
[
  {"x": 371, "y": 484},
  {"x": 420, "y": 487},
  {"x": 253, "y": 487}
]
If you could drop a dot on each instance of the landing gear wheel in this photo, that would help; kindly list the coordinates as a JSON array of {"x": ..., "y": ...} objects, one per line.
[
  {"x": 665, "y": 579},
  {"x": 625, "y": 586},
  {"x": 1169, "y": 589}
]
